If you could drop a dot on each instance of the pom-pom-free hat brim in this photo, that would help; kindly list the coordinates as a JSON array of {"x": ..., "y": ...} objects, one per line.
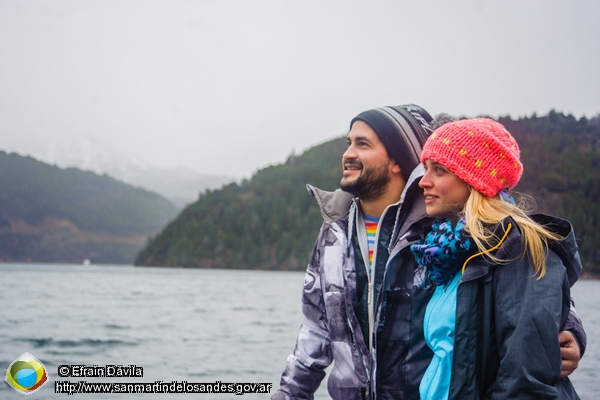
[{"x": 479, "y": 151}]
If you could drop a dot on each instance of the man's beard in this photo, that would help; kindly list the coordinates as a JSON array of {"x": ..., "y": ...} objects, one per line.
[{"x": 370, "y": 184}]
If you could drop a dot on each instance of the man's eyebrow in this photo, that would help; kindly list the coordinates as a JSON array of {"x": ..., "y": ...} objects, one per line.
[{"x": 356, "y": 138}]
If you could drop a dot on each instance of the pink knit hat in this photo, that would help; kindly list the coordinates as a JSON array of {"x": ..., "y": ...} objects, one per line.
[{"x": 479, "y": 151}]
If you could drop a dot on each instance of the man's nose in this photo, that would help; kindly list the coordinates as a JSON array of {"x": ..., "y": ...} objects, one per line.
[{"x": 349, "y": 153}]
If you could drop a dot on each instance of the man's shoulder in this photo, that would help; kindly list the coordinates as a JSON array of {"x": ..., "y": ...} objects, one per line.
[{"x": 334, "y": 205}]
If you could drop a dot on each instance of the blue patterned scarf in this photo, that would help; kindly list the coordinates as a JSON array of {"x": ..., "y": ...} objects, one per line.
[{"x": 444, "y": 250}]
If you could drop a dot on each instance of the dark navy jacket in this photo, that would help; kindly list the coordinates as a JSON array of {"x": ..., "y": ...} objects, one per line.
[{"x": 507, "y": 321}]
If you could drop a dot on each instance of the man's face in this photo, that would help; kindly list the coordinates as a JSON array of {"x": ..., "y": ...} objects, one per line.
[{"x": 367, "y": 165}]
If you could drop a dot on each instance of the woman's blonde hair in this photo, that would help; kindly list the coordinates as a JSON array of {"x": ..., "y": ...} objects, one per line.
[{"x": 483, "y": 213}]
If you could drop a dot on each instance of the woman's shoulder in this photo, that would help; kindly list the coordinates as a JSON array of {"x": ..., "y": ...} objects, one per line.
[
  {"x": 510, "y": 227},
  {"x": 566, "y": 248},
  {"x": 563, "y": 252}
]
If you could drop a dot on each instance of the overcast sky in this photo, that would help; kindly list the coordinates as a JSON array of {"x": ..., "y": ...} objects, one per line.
[{"x": 229, "y": 87}]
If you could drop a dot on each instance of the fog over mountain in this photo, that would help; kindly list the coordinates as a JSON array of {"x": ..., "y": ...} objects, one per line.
[
  {"x": 181, "y": 185},
  {"x": 230, "y": 87}
]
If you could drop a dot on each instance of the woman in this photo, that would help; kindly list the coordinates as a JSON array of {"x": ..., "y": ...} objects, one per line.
[{"x": 503, "y": 278}]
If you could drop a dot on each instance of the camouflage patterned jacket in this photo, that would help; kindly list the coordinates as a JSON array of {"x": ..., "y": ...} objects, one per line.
[{"x": 337, "y": 321}]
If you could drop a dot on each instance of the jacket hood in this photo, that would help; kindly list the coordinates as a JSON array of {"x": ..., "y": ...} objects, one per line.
[
  {"x": 333, "y": 205},
  {"x": 566, "y": 248},
  {"x": 336, "y": 205}
]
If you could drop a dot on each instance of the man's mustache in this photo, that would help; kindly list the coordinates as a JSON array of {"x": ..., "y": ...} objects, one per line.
[{"x": 354, "y": 163}]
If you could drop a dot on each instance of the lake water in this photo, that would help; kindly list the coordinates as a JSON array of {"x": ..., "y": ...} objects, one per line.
[{"x": 193, "y": 325}]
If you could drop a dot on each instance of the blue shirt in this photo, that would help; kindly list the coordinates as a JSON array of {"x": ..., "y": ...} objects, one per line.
[{"x": 439, "y": 325}]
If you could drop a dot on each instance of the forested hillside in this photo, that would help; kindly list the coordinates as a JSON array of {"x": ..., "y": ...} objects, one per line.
[
  {"x": 48, "y": 214},
  {"x": 561, "y": 156},
  {"x": 270, "y": 221}
]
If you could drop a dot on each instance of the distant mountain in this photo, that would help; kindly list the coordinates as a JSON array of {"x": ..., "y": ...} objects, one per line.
[
  {"x": 180, "y": 185},
  {"x": 270, "y": 222},
  {"x": 49, "y": 214}
]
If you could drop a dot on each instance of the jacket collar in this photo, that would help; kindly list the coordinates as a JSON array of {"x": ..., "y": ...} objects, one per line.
[
  {"x": 336, "y": 205},
  {"x": 333, "y": 205},
  {"x": 566, "y": 248}
]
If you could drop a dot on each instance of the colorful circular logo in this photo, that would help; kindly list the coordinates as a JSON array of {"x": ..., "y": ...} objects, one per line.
[{"x": 26, "y": 374}]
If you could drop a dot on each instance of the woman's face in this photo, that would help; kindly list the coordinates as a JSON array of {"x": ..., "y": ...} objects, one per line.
[{"x": 445, "y": 193}]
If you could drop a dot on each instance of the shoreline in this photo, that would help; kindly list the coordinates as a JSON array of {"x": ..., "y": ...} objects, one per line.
[{"x": 589, "y": 276}]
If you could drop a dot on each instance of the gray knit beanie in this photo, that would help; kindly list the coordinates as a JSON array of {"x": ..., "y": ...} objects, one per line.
[{"x": 402, "y": 129}]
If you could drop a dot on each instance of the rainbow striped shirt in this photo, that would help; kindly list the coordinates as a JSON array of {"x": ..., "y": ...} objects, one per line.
[{"x": 371, "y": 224}]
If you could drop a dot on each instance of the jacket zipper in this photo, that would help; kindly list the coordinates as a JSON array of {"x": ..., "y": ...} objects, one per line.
[
  {"x": 362, "y": 359},
  {"x": 363, "y": 365}
]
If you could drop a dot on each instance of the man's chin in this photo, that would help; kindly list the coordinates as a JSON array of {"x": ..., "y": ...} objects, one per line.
[{"x": 349, "y": 187}]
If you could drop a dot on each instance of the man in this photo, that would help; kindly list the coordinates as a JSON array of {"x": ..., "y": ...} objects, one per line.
[{"x": 364, "y": 297}]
